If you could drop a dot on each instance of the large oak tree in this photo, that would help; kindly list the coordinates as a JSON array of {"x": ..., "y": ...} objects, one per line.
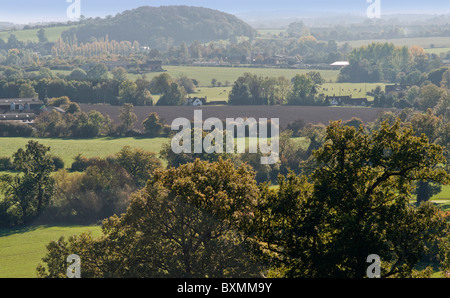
[{"x": 356, "y": 203}]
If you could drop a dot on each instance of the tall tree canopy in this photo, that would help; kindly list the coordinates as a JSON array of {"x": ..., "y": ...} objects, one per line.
[
  {"x": 356, "y": 203},
  {"x": 27, "y": 194},
  {"x": 185, "y": 223}
]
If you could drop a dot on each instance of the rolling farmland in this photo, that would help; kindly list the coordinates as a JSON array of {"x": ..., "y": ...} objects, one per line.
[
  {"x": 286, "y": 114},
  {"x": 22, "y": 248}
]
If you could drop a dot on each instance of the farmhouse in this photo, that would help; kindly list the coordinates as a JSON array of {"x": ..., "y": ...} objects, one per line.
[
  {"x": 363, "y": 102},
  {"x": 196, "y": 101},
  {"x": 347, "y": 101},
  {"x": 395, "y": 88},
  {"x": 217, "y": 103}
]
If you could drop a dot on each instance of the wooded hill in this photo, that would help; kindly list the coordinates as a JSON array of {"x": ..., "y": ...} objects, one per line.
[{"x": 156, "y": 26}]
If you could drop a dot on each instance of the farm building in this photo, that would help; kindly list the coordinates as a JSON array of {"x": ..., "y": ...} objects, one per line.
[
  {"x": 340, "y": 63},
  {"x": 395, "y": 88},
  {"x": 19, "y": 109},
  {"x": 196, "y": 101},
  {"x": 24, "y": 117},
  {"x": 20, "y": 104},
  {"x": 217, "y": 103},
  {"x": 347, "y": 101},
  {"x": 274, "y": 60},
  {"x": 50, "y": 109}
]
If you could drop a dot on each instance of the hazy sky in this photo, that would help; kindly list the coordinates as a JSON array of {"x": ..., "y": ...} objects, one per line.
[{"x": 25, "y": 11}]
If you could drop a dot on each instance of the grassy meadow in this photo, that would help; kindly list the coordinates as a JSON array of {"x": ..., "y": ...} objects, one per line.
[
  {"x": 438, "y": 51},
  {"x": 424, "y": 42},
  {"x": 52, "y": 33},
  {"x": 223, "y": 74},
  {"x": 68, "y": 149},
  {"x": 443, "y": 196},
  {"x": 21, "y": 250}
]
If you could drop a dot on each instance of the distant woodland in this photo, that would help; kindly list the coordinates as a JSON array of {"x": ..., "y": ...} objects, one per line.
[{"x": 169, "y": 24}]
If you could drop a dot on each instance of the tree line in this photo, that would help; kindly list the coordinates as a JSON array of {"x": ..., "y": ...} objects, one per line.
[
  {"x": 96, "y": 86},
  {"x": 379, "y": 62}
]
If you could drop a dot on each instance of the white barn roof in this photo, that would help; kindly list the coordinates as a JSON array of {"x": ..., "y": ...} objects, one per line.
[{"x": 340, "y": 63}]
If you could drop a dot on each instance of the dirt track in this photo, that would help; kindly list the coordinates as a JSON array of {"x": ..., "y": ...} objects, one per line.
[{"x": 286, "y": 114}]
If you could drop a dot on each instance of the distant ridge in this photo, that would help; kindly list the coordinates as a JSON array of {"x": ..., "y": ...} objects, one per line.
[{"x": 153, "y": 26}]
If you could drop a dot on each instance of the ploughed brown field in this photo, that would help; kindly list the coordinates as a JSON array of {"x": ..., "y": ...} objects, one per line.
[{"x": 286, "y": 114}]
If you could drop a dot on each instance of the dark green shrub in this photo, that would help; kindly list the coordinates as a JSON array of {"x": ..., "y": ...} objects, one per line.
[
  {"x": 58, "y": 162},
  {"x": 79, "y": 164},
  {"x": 6, "y": 164},
  {"x": 13, "y": 129}
]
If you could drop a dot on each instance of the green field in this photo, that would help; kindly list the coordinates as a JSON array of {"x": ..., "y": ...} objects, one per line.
[
  {"x": 443, "y": 195},
  {"x": 21, "y": 250},
  {"x": 231, "y": 74},
  {"x": 213, "y": 94},
  {"x": 424, "y": 42},
  {"x": 204, "y": 75},
  {"x": 438, "y": 51},
  {"x": 270, "y": 33},
  {"x": 68, "y": 149},
  {"x": 52, "y": 34},
  {"x": 356, "y": 90},
  {"x": 228, "y": 75},
  {"x": 222, "y": 74},
  {"x": 275, "y": 31}
]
